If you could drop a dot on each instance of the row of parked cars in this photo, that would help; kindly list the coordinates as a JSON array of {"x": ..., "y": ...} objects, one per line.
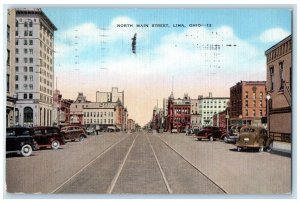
[
  {"x": 24, "y": 140},
  {"x": 243, "y": 137}
]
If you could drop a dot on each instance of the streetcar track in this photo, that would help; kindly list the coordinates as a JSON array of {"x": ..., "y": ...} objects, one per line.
[
  {"x": 189, "y": 162},
  {"x": 160, "y": 168},
  {"x": 87, "y": 165},
  {"x": 115, "y": 179}
]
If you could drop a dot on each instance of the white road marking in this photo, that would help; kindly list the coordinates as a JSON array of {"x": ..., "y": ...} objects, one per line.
[
  {"x": 160, "y": 168},
  {"x": 91, "y": 162},
  {"x": 114, "y": 181}
]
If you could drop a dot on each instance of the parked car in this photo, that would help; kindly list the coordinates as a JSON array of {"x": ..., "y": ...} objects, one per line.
[
  {"x": 20, "y": 140},
  {"x": 73, "y": 133},
  {"x": 191, "y": 131},
  {"x": 174, "y": 130},
  {"x": 255, "y": 138},
  {"x": 90, "y": 131},
  {"x": 210, "y": 132},
  {"x": 47, "y": 136},
  {"x": 233, "y": 134}
]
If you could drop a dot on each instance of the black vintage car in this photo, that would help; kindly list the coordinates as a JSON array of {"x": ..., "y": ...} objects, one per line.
[
  {"x": 19, "y": 140},
  {"x": 47, "y": 136}
]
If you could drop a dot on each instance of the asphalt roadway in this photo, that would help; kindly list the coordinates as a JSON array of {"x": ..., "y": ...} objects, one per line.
[{"x": 146, "y": 163}]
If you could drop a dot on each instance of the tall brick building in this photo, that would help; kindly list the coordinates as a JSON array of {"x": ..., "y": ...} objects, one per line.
[
  {"x": 279, "y": 87},
  {"x": 247, "y": 103},
  {"x": 179, "y": 113}
]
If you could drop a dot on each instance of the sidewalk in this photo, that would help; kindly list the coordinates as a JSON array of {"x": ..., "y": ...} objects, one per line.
[{"x": 283, "y": 148}]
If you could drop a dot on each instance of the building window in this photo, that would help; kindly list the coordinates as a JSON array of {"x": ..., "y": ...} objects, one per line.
[
  {"x": 17, "y": 78},
  {"x": 30, "y": 23},
  {"x": 246, "y": 112},
  {"x": 31, "y": 88},
  {"x": 25, "y": 60},
  {"x": 25, "y": 33},
  {"x": 17, "y": 42},
  {"x": 30, "y": 60},
  {"x": 260, "y": 112},
  {"x": 17, "y": 60},
  {"x": 254, "y": 103},
  {"x": 25, "y": 68},
  {"x": 31, "y": 42},
  {"x": 246, "y": 103},
  {"x": 17, "y": 33},
  {"x": 246, "y": 94},
  {"x": 17, "y": 87},
  {"x": 30, "y": 33},
  {"x": 254, "y": 113},
  {"x": 30, "y": 96},
  {"x": 281, "y": 75},
  {"x": 28, "y": 115},
  {"x": 84, "y": 114},
  {"x": 25, "y": 86},
  {"x": 31, "y": 51},
  {"x": 17, "y": 68},
  {"x": 272, "y": 78},
  {"x": 260, "y": 95},
  {"x": 30, "y": 69},
  {"x": 254, "y": 95},
  {"x": 260, "y": 103},
  {"x": 25, "y": 24},
  {"x": 25, "y": 41},
  {"x": 25, "y": 96},
  {"x": 17, "y": 23}
]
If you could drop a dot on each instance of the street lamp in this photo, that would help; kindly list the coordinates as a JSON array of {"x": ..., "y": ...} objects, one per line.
[{"x": 268, "y": 112}]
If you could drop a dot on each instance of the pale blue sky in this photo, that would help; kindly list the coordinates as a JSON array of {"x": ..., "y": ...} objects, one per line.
[{"x": 90, "y": 59}]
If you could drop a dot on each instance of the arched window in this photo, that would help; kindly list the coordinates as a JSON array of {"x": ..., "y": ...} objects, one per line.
[{"x": 28, "y": 115}]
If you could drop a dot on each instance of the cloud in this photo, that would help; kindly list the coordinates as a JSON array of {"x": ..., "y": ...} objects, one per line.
[
  {"x": 190, "y": 56},
  {"x": 273, "y": 35}
]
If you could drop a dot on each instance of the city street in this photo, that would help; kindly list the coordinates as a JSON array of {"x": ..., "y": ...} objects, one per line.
[{"x": 148, "y": 163}]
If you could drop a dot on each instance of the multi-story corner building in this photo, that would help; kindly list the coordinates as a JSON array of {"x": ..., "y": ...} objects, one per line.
[
  {"x": 195, "y": 114},
  {"x": 208, "y": 106},
  {"x": 179, "y": 113},
  {"x": 279, "y": 88},
  {"x": 10, "y": 68},
  {"x": 61, "y": 109},
  {"x": 34, "y": 67},
  {"x": 248, "y": 103},
  {"x": 76, "y": 109},
  {"x": 112, "y": 96}
]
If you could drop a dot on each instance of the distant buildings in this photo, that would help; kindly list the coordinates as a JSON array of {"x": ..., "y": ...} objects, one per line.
[
  {"x": 279, "y": 89},
  {"x": 131, "y": 125},
  {"x": 157, "y": 119},
  {"x": 248, "y": 103},
  {"x": 208, "y": 106},
  {"x": 112, "y": 96},
  {"x": 220, "y": 120},
  {"x": 34, "y": 66},
  {"x": 104, "y": 116},
  {"x": 195, "y": 113}
]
